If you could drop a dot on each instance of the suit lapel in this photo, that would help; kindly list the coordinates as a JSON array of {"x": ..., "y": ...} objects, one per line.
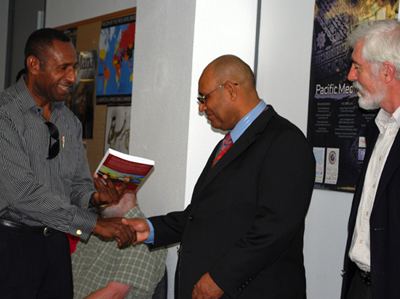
[
  {"x": 247, "y": 138},
  {"x": 206, "y": 170},
  {"x": 391, "y": 165}
]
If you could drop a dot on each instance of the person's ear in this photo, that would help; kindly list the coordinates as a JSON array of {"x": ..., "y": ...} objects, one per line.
[
  {"x": 33, "y": 64},
  {"x": 389, "y": 72},
  {"x": 232, "y": 90}
]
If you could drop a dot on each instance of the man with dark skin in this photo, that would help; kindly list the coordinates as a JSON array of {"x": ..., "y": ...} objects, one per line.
[
  {"x": 49, "y": 82},
  {"x": 242, "y": 234},
  {"x": 46, "y": 188}
]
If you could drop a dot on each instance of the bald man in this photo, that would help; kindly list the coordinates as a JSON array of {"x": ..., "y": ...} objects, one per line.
[{"x": 242, "y": 234}]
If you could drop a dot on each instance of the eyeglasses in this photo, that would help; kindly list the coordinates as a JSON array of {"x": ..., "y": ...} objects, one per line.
[
  {"x": 202, "y": 99},
  {"x": 54, "y": 148}
]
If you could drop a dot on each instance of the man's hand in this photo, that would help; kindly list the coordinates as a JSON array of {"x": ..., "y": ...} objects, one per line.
[
  {"x": 114, "y": 228},
  {"x": 206, "y": 288},
  {"x": 107, "y": 193},
  {"x": 140, "y": 226}
]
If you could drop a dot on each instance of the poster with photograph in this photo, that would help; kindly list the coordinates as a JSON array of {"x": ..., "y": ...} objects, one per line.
[
  {"x": 115, "y": 60},
  {"x": 118, "y": 125},
  {"x": 81, "y": 96},
  {"x": 335, "y": 123}
]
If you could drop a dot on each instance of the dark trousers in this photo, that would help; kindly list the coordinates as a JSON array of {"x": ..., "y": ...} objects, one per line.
[
  {"x": 34, "y": 266},
  {"x": 359, "y": 289}
]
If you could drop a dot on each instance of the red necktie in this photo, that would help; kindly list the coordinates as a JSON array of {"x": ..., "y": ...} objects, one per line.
[{"x": 226, "y": 144}]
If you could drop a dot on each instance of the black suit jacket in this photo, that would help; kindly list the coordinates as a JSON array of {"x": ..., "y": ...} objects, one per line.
[
  {"x": 384, "y": 224},
  {"x": 245, "y": 223}
]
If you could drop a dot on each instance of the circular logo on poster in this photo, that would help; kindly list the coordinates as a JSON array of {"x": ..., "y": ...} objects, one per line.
[{"x": 332, "y": 157}]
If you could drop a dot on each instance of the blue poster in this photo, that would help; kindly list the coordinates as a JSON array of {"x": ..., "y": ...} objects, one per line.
[{"x": 115, "y": 61}]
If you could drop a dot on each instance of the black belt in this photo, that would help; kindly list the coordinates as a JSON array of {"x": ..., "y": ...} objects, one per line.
[
  {"x": 45, "y": 230},
  {"x": 365, "y": 276}
]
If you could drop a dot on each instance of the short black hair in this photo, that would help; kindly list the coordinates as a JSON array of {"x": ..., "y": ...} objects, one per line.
[{"x": 40, "y": 40}]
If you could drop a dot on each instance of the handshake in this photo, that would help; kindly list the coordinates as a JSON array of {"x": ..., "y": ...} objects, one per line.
[
  {"x": 126, "y": 231},
  {"x": 117, "y": 201}
]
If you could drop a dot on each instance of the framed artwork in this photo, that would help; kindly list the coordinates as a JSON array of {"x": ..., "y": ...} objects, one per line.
[{"x": 118, "y": 128}]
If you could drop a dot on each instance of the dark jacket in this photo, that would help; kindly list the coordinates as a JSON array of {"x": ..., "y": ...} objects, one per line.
[
  {"x": 245, "y": 223},
  {"x": 384, "y": 224}
]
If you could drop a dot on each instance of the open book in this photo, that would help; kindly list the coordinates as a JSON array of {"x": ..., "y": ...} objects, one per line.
[{"x": 119, "y": 166}]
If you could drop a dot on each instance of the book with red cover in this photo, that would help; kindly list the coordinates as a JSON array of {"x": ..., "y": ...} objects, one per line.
[{"x": 119, "y": 166}]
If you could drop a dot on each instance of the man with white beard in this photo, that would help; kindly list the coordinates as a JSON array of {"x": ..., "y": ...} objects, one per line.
[{"x": 372, "y": 256}]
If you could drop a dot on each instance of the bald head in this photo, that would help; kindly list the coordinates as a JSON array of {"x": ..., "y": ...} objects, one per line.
[
  {"x": 230, "y": 67},
  {"x": 228, "y": 93}
]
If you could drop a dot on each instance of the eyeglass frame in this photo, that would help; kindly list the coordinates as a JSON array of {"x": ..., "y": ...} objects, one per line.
[
  {"x": 203, "y": 99},
  {"x": 54, "y": 148}
]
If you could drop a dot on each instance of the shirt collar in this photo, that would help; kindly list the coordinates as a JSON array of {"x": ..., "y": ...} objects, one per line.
[
  {"x": 27, "y": 100},
  {"x": 246, "y": 121},
  {"x": 383, "y": 118}
]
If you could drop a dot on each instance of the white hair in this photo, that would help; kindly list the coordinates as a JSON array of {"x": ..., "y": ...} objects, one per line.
[
  {"x": 126, "y": 203},
  {"x": 382, "y": 43}
]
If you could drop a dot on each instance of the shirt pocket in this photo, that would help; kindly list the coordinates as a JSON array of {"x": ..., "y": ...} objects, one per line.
[{"x": 69, "y": 157}]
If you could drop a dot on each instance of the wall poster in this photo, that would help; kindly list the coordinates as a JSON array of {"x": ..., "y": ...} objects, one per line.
[
  {"x": 115, "y": 61},
  {"x": 335, "y": 123},
  {"x": 81, "y": 96},
  {"x": 118, "y": 125},
  {"x": 71, "y": 33}
]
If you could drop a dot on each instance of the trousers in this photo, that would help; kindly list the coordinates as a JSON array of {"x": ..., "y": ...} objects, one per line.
[
  {"x": 35, "y": 266},
  {"x": 359, "y": 289}
]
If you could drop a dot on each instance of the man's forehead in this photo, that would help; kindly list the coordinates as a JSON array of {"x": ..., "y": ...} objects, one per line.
[
  {"x": 205, "y": 78},
  {"x": 62, "y": 51},
  {"x": 356, "y": 55}
]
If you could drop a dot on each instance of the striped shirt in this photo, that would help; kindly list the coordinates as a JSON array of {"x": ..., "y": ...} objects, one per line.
[{"x": 34, "y": 190}]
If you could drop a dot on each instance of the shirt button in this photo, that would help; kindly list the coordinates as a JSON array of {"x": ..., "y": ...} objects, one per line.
[
  {"x": 79, "y": 232},
  {"x": 361, "y": 241},
  {"x": 191, "y": 218}
]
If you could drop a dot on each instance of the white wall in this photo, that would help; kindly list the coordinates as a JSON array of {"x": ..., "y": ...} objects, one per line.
[
  {"x": 3, "y": 40},
  {"x": 283, "y": 81}
]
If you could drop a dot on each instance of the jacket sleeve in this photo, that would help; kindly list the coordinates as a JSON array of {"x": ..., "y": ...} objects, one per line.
[{"x": 168, "y": 229}]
